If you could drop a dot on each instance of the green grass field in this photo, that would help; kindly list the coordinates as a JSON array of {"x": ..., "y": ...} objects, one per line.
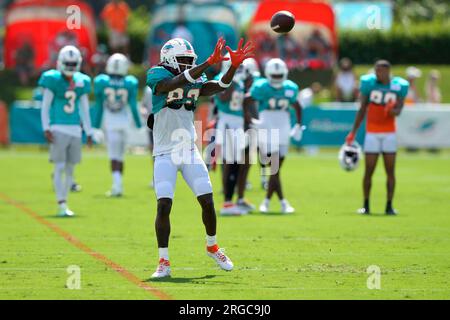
[{"x": 320, "y": 252}]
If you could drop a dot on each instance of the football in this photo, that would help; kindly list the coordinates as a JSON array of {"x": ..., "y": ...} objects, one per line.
[{"x": 282, "y": 22}]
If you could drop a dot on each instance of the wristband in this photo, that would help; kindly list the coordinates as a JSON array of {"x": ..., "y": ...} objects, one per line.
[
  {"x": 223, "y": 85},
  {"x": 188, "y": 76}
]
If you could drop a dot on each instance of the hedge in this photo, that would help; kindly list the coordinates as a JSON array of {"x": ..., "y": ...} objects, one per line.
[{"x": 418, "y": 45}]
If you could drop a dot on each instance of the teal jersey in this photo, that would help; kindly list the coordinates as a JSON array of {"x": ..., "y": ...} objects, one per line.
[
  {"x": 64, "y": 108},
  {"x": 115, "y": 94},
  {"x": 270, "y": 98},
  {"x": 234, "y": 105},
  {"x": 379, "y": 93},
  {"x": 175, "y": 99}
]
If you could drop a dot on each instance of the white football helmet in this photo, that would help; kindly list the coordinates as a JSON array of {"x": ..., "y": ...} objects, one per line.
[
  {"x": 69, "y": 60},
  {"x": 117, "y": 65},
  {"x": 174, "y": 49},
  {"x": 276, "y": 72},
  {"x": 241, "y": 72},
  {"x": 252, "y": 67},
  {"x": 349, "y": 156}
]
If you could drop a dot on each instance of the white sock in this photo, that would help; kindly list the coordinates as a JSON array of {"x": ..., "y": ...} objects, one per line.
[
  {"x": 58, "y": 181},
  {"x": 164, "y": 253},
  {"x": 283, "y": 201},
  {"x": 117, "y": 179},
  {"x": 211, "y": 240},
  {"x": 69, "y": 178},
  {"x": 266, "y": 201},
  {"x": 240, "y": 200}
]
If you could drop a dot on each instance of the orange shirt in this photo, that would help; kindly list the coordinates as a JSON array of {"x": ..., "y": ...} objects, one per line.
[
  {"x": 378, "y": 121},
  {"x": 116, "y": 15}
]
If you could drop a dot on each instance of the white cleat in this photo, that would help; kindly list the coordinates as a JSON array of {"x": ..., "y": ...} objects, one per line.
[
  {"x": 245, "y": 206},
  {"x": 65, "y": 213},
  {"x": 362, "y": 211},
  {"x": 231, "y": 209},
  {"x": 114, "y": 193},
  {"x": 163, "y": 269},
  {"x": 264, "y": 207},
  {"x": 286, "y": 208},
  {"x": 222, "y": 260}
]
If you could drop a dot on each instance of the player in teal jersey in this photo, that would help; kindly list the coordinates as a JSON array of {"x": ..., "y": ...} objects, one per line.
[
  {"x": 115, "y": 92},
  {"x": 274, "y": 96},
  {"x": 230, "y": 142},
  {"x": 65, "y": 105},
  {"x": 382, "y": 98},
  {"x": 252, "y": 75},
  {"x": 176, "y": 84}
]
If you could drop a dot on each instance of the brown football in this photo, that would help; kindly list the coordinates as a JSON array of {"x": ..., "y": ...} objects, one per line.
[{"x": 282, "y": 22}]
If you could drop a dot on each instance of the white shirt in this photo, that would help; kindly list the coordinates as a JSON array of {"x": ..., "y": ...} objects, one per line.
[
  {"x": 173, "y": 130},
  {"x": 346, "y": 82}
]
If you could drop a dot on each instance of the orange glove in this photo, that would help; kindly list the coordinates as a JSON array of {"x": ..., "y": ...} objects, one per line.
[
  {"x": 238, "y": 56},
  {"x": 216, "y": 56},
  {"x": 350, "y": 138}
]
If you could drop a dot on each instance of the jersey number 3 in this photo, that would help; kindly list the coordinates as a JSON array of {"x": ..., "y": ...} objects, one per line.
[{"x": 70, "y": 106}]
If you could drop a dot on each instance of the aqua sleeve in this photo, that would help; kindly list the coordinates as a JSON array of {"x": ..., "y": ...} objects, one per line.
[
  {"x": 132, "y": 100},
  {"x": 46, "y": 81},
  {"x": 404, "y": 88},
  {"x": 98, "y": 85},
  {"x": 98, "y": 92},
  {"x": 87, "y": 85},
  {"x": 294, "y": 87},
  {"x": 257, "y": 91},
  {"x": 365, "y": 86},
  {"x": 155, "y": 75}
]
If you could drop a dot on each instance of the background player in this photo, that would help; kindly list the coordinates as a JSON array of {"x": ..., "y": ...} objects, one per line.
[
  {"x": 114, "y": 92},
  {"x": 253, "y": 75},
  {"x": 230, "y": 141},
  {"x": 65, "y": 104},
  {"x": 275, "y": 95},
  {"x": 382, "y": 98},
  {"x": 146, "y": 111},
  {"x": 176, "y": 85}
]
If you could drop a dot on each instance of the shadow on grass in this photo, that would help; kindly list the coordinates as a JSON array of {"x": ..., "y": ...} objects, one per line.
[
  {"x": 181, "y": 280},
  {"x": 271, "y": 213},
  {"x": 376, "y": 215},
  {"x": 108, "y": 197},
  {"x": 56, "y": 217},
  {"x": 256, "y": 213}
]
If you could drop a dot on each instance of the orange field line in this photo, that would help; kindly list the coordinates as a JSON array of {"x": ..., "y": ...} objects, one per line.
[{"x": 80, "y": 245}]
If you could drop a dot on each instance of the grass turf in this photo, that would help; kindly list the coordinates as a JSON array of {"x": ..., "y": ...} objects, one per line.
[{"x": 320, "y": 252}]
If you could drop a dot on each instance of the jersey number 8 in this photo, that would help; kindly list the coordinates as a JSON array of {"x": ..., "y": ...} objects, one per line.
[
  {"x": 177, "y": 94},
  {"x": 376, "y": 97}
]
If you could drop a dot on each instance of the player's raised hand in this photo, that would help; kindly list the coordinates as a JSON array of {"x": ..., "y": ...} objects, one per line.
[
  {"x": 217, "y": 56},
  {"x": 241, "y": 53}
]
